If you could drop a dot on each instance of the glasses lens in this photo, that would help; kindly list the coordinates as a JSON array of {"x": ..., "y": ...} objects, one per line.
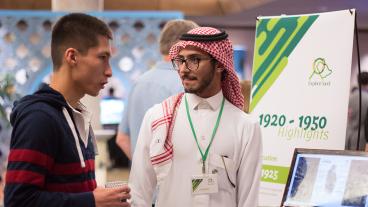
[{"x": 192, "y": 63}]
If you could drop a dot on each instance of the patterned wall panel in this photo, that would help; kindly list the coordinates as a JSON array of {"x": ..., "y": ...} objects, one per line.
[{"x": 25, "y": 44}]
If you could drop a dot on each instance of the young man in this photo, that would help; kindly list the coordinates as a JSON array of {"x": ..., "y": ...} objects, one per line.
[
  {"x": 152, "y": 87},
  {"x": 51, "y": 161},
  {"x": 199, "y": 147}
]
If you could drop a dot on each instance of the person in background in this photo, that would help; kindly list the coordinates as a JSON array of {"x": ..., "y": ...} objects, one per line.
[
  {"x": 152, "y": 87},
  {"x": 52, "y": 150},
  {"x": 246, "y": 88},
  {"x": 199, "y": 147},
  {"x": 111, "y": 94},
  {"x": 353, "y": 116}
]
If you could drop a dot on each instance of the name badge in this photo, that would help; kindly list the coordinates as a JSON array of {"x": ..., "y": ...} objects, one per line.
[{"x": 204, "y": 184}]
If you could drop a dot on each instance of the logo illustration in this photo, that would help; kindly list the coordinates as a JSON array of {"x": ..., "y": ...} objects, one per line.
[
  {"x": 195, "y": 184},
  {"x": 276, "y": 38},
  {"x": 320, "y": 69}
]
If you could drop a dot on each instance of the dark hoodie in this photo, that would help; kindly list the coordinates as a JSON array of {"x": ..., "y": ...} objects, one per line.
[{"x": 44, "y": 168}]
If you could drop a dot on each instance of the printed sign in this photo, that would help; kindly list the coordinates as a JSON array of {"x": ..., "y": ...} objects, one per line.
[{"x": 300, "y": 89}]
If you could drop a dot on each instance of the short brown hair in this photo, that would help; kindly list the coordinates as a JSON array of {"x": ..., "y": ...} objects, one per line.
[
  {"x": 171, "y": 33},
  {"x": 76, "y": 30}
]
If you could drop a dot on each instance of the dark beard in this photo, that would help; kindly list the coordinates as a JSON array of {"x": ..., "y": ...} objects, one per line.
[{"x": 204, "y": 84}]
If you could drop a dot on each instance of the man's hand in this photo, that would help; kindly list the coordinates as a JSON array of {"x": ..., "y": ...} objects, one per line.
[{"x": 112, "y": 197}]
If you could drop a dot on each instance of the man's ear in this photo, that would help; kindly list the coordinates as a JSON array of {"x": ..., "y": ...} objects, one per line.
[
  {"x": 70, "y": 56},
  {"x": 219, "y": 67}
]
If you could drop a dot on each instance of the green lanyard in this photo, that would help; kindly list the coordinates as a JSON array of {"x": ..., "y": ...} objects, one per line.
[{"x": 204, "y": 156}]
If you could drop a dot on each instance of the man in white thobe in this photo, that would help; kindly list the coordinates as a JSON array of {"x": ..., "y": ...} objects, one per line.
[{"x": 199, "y": 148}]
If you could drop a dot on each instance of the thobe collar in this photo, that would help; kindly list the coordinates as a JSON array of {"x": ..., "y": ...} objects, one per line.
[{"x": 195, "y": 102}]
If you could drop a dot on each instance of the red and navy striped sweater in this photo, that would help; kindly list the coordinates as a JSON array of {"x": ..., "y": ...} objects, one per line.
[{"x": 44, "y": 168}]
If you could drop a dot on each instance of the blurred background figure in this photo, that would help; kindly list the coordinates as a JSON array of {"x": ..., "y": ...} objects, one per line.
[
  {"x": 246, "y": 88},
  {"x": 111, "y": 94},
  {"x": 353, "y": 115},
  {"x": 152, "y": 87}
]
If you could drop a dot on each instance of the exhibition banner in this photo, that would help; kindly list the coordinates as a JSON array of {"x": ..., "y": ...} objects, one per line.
[{"x": 300, "y": 89}]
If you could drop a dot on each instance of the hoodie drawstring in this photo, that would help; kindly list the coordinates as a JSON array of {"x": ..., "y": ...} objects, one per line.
[
  {"x": 94, "y": 141},
  {"x": 77, "y": 144}
]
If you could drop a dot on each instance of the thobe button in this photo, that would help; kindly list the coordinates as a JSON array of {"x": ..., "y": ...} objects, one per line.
[{"x": 203, "y": 137}]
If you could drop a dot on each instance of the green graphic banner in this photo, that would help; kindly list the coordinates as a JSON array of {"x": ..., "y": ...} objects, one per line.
[{"x": 275, "y": 40}]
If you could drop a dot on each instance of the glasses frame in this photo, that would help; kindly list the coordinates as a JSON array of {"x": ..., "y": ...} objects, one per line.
[{"x": 185, "y": 61}]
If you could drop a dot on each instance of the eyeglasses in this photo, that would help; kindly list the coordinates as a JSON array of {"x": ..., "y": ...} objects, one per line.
[{"x": 191, "y": 63}]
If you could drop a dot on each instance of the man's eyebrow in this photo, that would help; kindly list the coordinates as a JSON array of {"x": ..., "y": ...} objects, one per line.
[
  {"x": 190, "y": 56},
  {"x": 195, "y": 55}
]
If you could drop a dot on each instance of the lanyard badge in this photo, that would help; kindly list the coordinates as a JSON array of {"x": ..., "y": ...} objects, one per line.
[
  {"x": 204, "y": 155},
  {"x": 205, "y": 183}
]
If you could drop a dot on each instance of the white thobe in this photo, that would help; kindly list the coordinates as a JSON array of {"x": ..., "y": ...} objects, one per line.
[{"x": 237, "y": 140}]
